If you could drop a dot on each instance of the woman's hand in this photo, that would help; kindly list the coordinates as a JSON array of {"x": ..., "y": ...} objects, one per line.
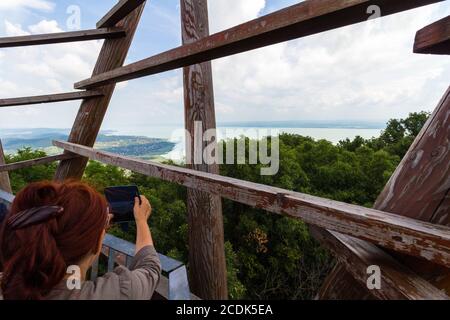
[
  {"x": 141, "y": 214},
  {"x": 142, "y": 211}
]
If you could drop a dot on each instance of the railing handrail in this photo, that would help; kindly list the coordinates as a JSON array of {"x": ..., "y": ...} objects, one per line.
[
  {"x": 401, "y": 234},
  {"x": 299, "y": 20},
  {"x": 168, "y": 264},
  {"x": 61, "y": 37},
  {"x": 178, "y": 285}
]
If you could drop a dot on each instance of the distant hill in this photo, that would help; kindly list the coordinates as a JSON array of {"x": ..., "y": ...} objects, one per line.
[{"x": 137, "y": 146}]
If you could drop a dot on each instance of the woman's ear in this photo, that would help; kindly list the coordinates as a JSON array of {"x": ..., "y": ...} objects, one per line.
[{"x": 100, "y": 243}]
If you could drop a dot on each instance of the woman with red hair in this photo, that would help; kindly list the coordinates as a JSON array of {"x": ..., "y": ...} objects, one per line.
[{"x": 55, "y": 227}]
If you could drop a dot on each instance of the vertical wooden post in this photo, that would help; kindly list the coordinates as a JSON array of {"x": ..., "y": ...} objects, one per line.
[
  {"x": 5, "y": 184},
  {"x": 92, "y": 111},
  {"x": 419, "y": 189},
  {"x": 208, "y": 276}
]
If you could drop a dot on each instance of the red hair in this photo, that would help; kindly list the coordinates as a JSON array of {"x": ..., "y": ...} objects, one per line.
[{"x": 35, "y": 259}]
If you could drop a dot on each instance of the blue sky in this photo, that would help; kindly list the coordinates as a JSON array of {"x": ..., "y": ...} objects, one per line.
[{"x": 361, "y": 72}]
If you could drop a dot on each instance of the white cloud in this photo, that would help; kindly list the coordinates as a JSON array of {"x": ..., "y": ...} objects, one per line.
[
  {"x": 45, "y": 26},
  {"x": 365, "y": 71},
  {"x": 14, "y": 29},
  {"x": 31, "y": 4},
  {"x": 228, "y": 13},
  {"x": 45, "y": 69}
]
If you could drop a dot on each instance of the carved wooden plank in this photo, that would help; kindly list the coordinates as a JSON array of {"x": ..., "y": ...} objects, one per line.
[
  {"x": 300, "y": 20},
  {"x": 118, "y": 12},
  {"x": 49, "y": 98},
  {"x": 61, "y": 37},
  {"x": 421, "y": 183},
  {"x": 413, "y": 237},
  {"x": 35, "y": 162},
  {"x": 207, "y": 267},
  {"x": 397, "y": 281},
  {"x": 434, "y": 38},
  {"x": 5, "y": 184},
  {"x": 91, "y": 113}
]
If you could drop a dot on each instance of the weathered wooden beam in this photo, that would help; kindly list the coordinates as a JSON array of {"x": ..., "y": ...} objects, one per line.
[
  {"x": 402, "y": 234},
  {"x": 5, "y": 184},
  {"x": 419, "y": 188},
  {"x": 49, "y": 98},
  {"x": 61, "y": 37},
  {"x": 118, "y": 12},
  {"x": 421, "y": 180},
  {"x": 207, "y": 266},
  {"x": 35, "y": 162},
  {"x": 397, "y": 281},
  {"x": 300, "y": 20},
  {"x": 341, "y": 285},
  {"x": 92, "y": 111},
  {"x": 434, "y": 39}
]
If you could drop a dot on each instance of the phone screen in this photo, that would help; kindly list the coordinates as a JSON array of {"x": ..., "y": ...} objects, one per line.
[{"x": 121, "y": 201}]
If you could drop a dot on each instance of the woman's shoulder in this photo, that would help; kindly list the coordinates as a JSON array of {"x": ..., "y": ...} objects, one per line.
[{"x": 108, "y": 287}]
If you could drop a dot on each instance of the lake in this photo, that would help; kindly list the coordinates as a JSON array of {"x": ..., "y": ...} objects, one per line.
[{"x": 175, "y": 133}]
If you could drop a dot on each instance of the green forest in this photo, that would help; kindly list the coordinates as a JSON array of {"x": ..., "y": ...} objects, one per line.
[{"x": 268, "y": 256}]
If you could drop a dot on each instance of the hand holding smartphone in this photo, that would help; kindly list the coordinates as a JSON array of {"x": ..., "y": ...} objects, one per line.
[{"x": 121, "y": 202}]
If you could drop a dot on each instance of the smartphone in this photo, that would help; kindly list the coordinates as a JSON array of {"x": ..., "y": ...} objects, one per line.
[{"x": 121, "y": 202}]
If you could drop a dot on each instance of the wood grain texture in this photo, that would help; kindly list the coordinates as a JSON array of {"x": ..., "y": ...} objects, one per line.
[
  {"x": 61, "y": 37},
  {"x": 5, "y": 184},
  {"x": 434, "y": 39},
  {"x": 91, "y": 113},
  {"x": 118, "y": 12},
  {"x": 300, "y": 20},
  {"x": 409, "y": 236},
  {"x": 35, "y": 162},
  {"x": 419, "y": 189},
  {"x": 397, "y": 281},
  {"x": 207, "y": 267},
  {"x": 422, "y": 179},
  {"x": 341, "y": 285},
  {"x": 49, "y": 98}
]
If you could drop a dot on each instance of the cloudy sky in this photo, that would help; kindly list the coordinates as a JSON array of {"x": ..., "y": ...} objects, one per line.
[{"x": 361, "y": 72}]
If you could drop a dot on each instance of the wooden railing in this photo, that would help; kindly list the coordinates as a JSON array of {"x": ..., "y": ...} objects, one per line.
[
  {"x": 300, "y": 20},
  {"x": 50, "y": 98},
  {"x": 431, "y": 242},
  {"x": 61, "y": 37},
  {"x": 35, "y": 162}
]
